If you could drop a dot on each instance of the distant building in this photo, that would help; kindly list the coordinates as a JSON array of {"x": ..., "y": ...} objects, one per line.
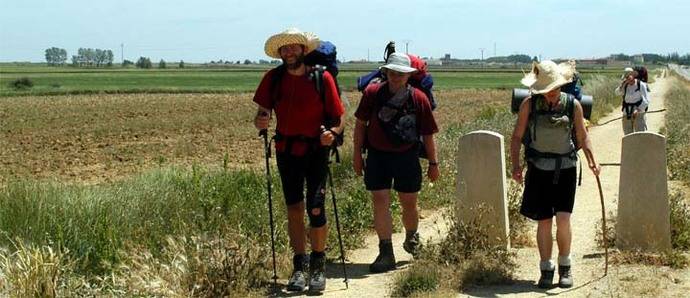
[
  {"x": 638, "y": 59},
  {"x": 612, "y": 62},
  {"x": 432, "y": 61},
  {"x": 591, "y": 62}
]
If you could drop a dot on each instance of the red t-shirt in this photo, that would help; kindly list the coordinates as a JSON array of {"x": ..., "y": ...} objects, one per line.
[
  {"x": 299, "y": 109},
  {"x": 368, "y": 111}
]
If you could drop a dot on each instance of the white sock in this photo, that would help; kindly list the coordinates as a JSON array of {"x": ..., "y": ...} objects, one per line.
[
  {"x": 547, "y": 265},
  {"x": 564, "y": 260}
]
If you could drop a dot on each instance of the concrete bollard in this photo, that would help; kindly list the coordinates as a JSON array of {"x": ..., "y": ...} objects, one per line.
[
  {"x": 481, "y": 181},
  {"x": 643, "y": 205}
]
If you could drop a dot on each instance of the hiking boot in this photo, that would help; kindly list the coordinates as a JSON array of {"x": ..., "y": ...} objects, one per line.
[
  {"x": 411, "y": 244},
  {"x": 298, "y": 279},
  {"x": 565, "y": 279},
  {"x": 385, "y": 261},
  {"x": 546, "y": 279},
  {"x": 317, "y": 274}
]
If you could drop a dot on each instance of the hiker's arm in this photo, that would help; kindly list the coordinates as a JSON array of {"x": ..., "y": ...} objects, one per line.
[
  {"x": 583, "y": 138},
  {"x": 328, "y": 135},
  {"x": 645, "y": 99},
  {"x": 262, "y": 118},
  {"x": 430, "y": 146},
  {"x": 619, "y": 90},
  {"x": 358, "y": 143},
  {"x": 516, "y": 139}
]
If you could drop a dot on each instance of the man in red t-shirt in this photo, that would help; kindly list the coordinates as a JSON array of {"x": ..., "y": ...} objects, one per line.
[
  {"x": 392, "y": 117},
  {"x": 302, "y": 142}
]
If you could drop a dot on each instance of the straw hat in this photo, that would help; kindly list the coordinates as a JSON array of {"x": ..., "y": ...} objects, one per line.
[
  {"x": 290, "y": 36},
  {"x": 547, "y": 75},
  {"x": 399, "y": 62}
]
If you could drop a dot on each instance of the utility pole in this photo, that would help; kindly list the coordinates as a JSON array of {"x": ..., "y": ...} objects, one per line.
[
  {"x": 122, "y": 53},
  {"x": 482, "y": 62},
  {"x": 494, "y": 49},
  {"x": 368, "y": 55},
  {"x": 407, "y": 42}
]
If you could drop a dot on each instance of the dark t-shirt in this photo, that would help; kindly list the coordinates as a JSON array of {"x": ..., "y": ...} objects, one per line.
[
  {"x": 368, "y": 111},
  {"x": 299, "y": 110}
]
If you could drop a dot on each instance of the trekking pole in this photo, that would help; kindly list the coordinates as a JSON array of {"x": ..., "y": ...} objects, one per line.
[
  {"x": 603, "y": 220},
  {"x": 267, "y": 153},
  {"x": 335, "y": 212}
]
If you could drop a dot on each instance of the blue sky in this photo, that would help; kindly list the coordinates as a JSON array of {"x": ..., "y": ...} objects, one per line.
[{"x": 204, "y": 30}]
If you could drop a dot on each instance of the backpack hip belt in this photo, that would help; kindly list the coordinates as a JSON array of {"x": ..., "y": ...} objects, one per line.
[
  {"x": 312, "y": 142},
  {"x": 628, "y": 108},
  {"x": 557, "y": 157}
]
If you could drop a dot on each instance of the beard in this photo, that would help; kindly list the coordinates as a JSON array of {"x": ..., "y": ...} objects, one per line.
[{"x": 299, "y": 60}]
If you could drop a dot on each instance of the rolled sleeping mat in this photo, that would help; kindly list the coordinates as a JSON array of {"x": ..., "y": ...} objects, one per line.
[{"x": 520, "y": 94}]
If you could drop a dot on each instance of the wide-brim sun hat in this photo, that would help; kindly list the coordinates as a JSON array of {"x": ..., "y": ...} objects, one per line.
[
  {"x": 547, "y": 75},
  {"x": 626, "y": 72},
  {"x": 290, "y": 36},
  {"x": 399, "y": 62}
]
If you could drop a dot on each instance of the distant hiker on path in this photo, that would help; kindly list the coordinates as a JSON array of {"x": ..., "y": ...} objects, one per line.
[
  {"x": 302, "y": 143},
  {"x": 635, "y": 94},
  {"x": 546, "y": 123},
  {"x": 391, "y": 117}
]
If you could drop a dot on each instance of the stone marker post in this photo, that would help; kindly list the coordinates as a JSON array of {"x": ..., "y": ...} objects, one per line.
[
  {"x": 643, "y": 206},
  {"x": 481, "y": 181}
]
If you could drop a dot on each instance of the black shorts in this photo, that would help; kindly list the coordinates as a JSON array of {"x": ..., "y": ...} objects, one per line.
[
  {"x": 398, "y": 169},
  {"x": 542, "y": 199},
  {"x": 295, "y": 170}
]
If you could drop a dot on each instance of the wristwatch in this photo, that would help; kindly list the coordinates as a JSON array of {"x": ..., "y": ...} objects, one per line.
[{"x": 433, "y": 163}]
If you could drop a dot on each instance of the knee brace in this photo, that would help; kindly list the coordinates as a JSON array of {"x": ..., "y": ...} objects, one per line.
[{"x": 315, "y": 209}]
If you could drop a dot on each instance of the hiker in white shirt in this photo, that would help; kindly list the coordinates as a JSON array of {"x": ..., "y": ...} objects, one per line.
[{"x": 635, "y": 102}]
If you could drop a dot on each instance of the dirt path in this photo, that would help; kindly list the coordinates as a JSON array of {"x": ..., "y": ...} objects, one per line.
[{"x": 588, "y": 261}]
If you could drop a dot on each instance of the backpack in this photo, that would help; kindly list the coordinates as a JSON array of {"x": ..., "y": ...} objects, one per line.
[
  {"x": 421, "y": 79},
  {"x": 531, "y": 132},
  {"x": 574, "y": 87},
  {"x": 325, "y": 56},
  {"x": 401, "y": 128},
  {"x": 642, "y": 76},
  {"x": 321, "y": 59}
]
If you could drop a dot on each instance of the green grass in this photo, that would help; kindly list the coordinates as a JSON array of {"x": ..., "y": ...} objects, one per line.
[{"x": 69, "y": 80}]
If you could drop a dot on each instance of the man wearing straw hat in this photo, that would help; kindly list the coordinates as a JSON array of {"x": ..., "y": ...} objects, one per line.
[
  {"x": 391, "y": 117},
  {"x": 301, "y": 144},
  {"x": 635, "y": 101},
  {"x": 545, "y": 125}
]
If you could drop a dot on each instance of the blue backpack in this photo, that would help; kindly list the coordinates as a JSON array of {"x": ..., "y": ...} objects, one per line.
[
  {"x": 574, "y": 87},
  {"x": 325, "y": 56}
]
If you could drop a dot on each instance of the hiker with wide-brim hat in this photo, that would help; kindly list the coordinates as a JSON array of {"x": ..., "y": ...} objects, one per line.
[
  {"x": 635, "y": 101},
  {"x": 543, "y": 119},
  {"x": 391, "y": 117},
  {"x": 302, "y": 145}
]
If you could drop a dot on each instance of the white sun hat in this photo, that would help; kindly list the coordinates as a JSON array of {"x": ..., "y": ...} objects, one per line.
[{"x": 399, "y": 62}]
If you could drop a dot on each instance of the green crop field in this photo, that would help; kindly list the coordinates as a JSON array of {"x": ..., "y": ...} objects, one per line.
[{"x": 69, "y": 80}]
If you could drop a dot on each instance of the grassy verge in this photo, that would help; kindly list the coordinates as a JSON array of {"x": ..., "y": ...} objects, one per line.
[{"x": 677, "y": 131}]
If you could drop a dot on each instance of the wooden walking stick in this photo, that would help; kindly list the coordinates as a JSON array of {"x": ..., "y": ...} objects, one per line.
[{"x": 603, "y": 220}]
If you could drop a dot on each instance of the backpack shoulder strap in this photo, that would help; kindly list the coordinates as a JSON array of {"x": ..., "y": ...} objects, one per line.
[
  {"x": 317, "y": 75},
  {"x": 276, "y": 77},
  {"x": 570, "y": 107}
]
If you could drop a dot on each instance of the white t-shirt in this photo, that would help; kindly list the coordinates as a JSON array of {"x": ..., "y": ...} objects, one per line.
[{"x": 632, "y": 95}]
